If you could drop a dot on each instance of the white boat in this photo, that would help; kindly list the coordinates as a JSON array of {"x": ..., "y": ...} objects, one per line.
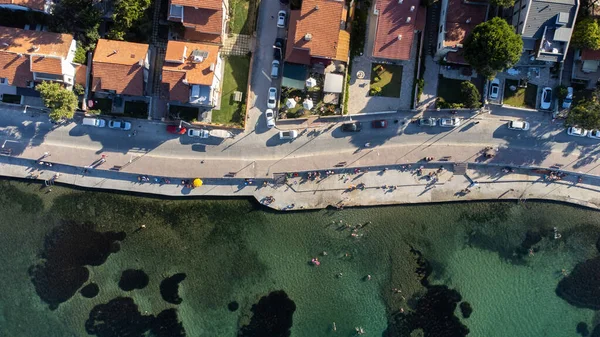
[{"x": 221, "y": 133}]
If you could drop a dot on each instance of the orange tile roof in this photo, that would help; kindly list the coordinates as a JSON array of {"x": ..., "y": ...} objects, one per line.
[
  {"x": 48, "y": 65},
  {"x": 15, "y": 69},
  {"x": 80, "y": 74},
  {"x": 191, "y": 35},
  {"x": 315, "y": 18},
  {"x": 116, "y": 66},
  {"x": 210, "y": 4},
  {"x": 203, "y": 20},
  {"x": 590, "y": 55},
  {"x": 38, "y": 5},
  {"x": 394, "y": 20},
  {"x": 461, "y": 19},
  {"x": 178, "y": 91},
  {"x": 19, "y": 41},
  {"x": 196, "y": 73},
  {"x": 456, "y": 57}
]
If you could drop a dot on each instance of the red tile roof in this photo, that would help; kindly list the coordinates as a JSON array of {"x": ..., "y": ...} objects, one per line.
[
  {"x": 80, "y": 74},
  {"x": 192, "y": 35},
  {"x": 15, "y": 69},
  {"x": 210, "y": 4},
  {"x": 38, "y": 5},
  {"x": 590, "y": 55},
  {"x": 456, "y": 57},
  {"x": 203, "y": 20},
  {"x": 116, "y": 66},
  {"x": 47, "y": 65},
  {"x": 394, "y": 20},
  {"x": 178, "y": 91},
  {"x": 318, "y": 20},
  {"x": 27, "y": 42},
  {"x": 461, "y": 19}
]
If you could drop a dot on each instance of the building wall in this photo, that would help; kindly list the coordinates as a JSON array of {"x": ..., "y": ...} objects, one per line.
[{"x": 441, "y": 29}]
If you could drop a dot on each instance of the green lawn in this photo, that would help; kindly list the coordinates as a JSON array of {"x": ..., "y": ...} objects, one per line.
[
  {"x": 449, "y": 90},
  {"x": 235, "y": 78},
  {"x": 243, "y": 17},
  {"x": 137, "y": 109},
  {"x": 522, "y": 97},
  {"x": 388, "y": 77}
]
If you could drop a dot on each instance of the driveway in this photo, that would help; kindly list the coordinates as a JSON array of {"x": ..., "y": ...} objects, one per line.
[{"x": 260, "y": 81}]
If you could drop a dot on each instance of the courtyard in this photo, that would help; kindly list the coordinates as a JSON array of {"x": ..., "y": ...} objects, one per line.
[{"x": 386, "y": 80}]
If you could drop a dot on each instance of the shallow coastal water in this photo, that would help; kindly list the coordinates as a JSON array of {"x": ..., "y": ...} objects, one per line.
[{"x": 234, "y": 251}]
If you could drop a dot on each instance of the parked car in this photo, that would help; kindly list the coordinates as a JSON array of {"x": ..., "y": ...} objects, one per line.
[
  {"x": 285, "y": 135},
  {"x": 281, "y": 19},
  {"x": 518, "y": 125},
  {"x": 97, "y": 122},
  {"x": 427, "y": 121},
  {"x": 546, "y": 98},
  {"x": 352, "y": 127},
  {"x": 275, "y": 69},
  {"x": 272, "y": 99},
  {"x": 175, "y": 129},
  {"x": 495, "y": 88},
  {"x": 270, "y": 117},
  {"x": 119, "y": 124},
  {"x": 595, "y": 134},
  {"x": 379, "y": 124},
  {"x": 450, "y": 122},
  {"x": 577, "y": 132},
  {"x": 568, "y": 99},
  {"x": 199, "y": 133},
  {"x": 277, "y": 51}
]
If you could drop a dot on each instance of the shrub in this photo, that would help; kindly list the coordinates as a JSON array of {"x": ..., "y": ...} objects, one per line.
[
  {"x": 375, "y": 91},
  {"x": 470, "y": 95}
]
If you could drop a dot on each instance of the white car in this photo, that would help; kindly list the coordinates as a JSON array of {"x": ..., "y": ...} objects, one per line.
[
  {"x": 568, "y": 99},
  {"x": 427, "y": 121},
  {"x": 546, "y": 98},
  {"x": 270, "y": 117},
  {"x": 595, "y": 134},
  {"x": 272, "y": 99},
  {"x": 198, "y": 133},
  {"x": 577, "y": 132},
  {"x": 285, "y": 135},
  {"x": 518, "y": 125},
  {"x": 495, "y": 89},
  {"x": 451, "y": 122},
  {"x": 281, "y": 19},
  {"x": 119, "y": 124}
]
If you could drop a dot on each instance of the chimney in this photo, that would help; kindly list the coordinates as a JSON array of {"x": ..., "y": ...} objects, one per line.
[
  {"x": 212, "y": 67},
  {"x": 399, "y": 37},
  {"x": 317, "y": 7},
  {"x": 400, "y": 1},
  {"x": 408, "y": 19},
  {"x": 36, "y": 48},
  {"x": 308, "y": 37},
  {"x": 412, "y": 8},
  {"x": 5, "y": 44},
  {"x": 469, "y": 20},
  {"x": 114, "y": 52}
]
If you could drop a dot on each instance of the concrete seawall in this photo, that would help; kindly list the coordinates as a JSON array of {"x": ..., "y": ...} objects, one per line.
[{"x": 346, "y": 187}]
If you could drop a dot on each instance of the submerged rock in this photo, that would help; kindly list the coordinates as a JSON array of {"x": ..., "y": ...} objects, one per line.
[
  {"x": 167, "y": 324},
  {"x": 465, "y": 309},
  {"x": 233, "y": 306},
  {"x": 133, "y": 279},
  {"x": 90, "y": 290},
  {"x": 68, "y": 249},
  {"x": 582, "y": 329},
  {"x": 119, "y": 317},
  {"x": 169, "y": 288},
  {"x": 272, "y": 316},
  {"x": 581, "y": 288}
]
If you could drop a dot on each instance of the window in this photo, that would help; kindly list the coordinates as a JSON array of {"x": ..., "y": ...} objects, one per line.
[
  {"x": 439, "y": 45},
  {"x": 4, "y": 80},
  {"x": 441, "y": 28}
]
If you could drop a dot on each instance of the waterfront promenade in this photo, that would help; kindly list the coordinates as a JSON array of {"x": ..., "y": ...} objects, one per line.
[{"x": 346, "y": 187}]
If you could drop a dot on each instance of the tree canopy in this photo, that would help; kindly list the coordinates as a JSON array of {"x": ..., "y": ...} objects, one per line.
[
  {"x": 492, "y": 46},
  {"x": 470, "y": 95},
  {"x": 81, "y": 17},
  {"x": 586, "y": 34},
  {"x": 503, "y": 3},
  {"x": 61, "y": 101},
  {"x": 126, "y": 16},
  {"x": 585, "y": 115}
]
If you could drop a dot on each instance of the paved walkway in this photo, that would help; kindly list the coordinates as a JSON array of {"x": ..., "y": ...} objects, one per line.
[
  {"x": 236, "y": 44},
  {"x": 431, "y": 76},
  {"x": 346, "y": 187}
]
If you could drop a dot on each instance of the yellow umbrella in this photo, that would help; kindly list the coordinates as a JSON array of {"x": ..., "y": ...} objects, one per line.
[{"x": 197, "y": 182}]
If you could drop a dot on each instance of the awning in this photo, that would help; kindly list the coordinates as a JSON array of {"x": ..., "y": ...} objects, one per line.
[{"x": 333, "y": 83}]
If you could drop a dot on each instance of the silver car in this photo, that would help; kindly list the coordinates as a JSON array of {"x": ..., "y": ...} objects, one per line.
[
  {"x": 119, "y": 124},
  {"x": 427, "y": 121}
]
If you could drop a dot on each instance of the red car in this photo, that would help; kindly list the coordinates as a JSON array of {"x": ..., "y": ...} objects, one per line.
[
  {"x": 379, "y": 124},
  {"x": 175, "y": 129}
]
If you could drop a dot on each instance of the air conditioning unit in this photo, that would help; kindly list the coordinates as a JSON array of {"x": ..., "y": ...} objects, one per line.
[{"x": 375, "y": 11}]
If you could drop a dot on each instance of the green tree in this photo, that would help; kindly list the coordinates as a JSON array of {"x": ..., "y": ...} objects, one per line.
[
  {"x": 62, "y": 102},
  {"x": 127, "y": 13},
  {"x": 81, "y": 17},
  {"x": 470, "y": 95},
  {"x": 503, "y": 3},
  {"x": 585, "y": 115},
  {"x": 586, "y": 34},
  {"x": 492, "y": 46}
]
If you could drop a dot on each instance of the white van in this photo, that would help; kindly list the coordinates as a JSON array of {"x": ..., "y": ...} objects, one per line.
[{"x": 97, "y": 122}]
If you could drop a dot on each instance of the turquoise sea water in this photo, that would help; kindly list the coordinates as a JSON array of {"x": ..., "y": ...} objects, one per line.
[{"x": 232, "y": 250}]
